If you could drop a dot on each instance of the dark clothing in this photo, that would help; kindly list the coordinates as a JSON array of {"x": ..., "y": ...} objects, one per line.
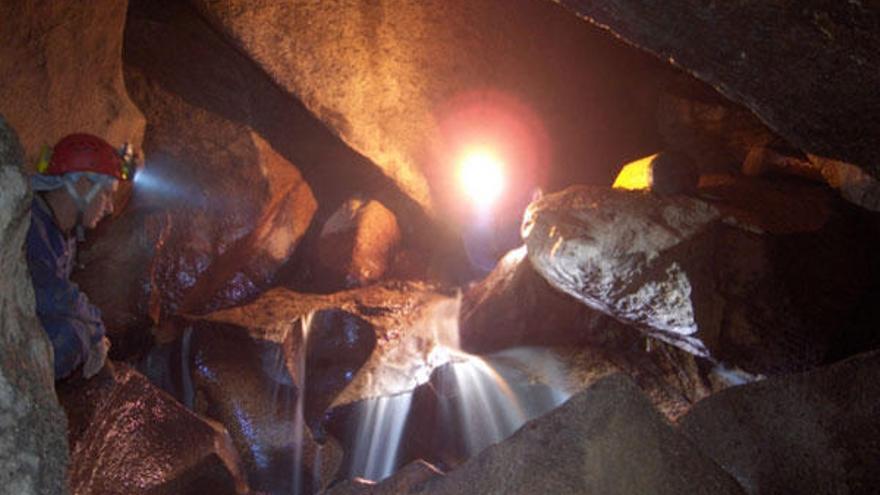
[{"x": 73, "y": 324}]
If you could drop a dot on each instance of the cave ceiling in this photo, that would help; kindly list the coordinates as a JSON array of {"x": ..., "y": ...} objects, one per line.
[{"x": 809, "y": 69}]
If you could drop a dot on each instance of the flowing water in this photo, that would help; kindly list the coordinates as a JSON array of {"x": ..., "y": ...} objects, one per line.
[{"x": 475, "y": 401}]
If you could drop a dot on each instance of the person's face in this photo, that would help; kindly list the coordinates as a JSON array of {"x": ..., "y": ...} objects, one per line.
[{"x": 101, "y": 205}]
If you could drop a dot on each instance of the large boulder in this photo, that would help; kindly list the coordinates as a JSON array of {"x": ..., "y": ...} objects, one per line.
[
  {"x": 61, "y": 72},
  {"x": 252, "y": 385},
  {"x": 127, "y": 436},
  {"x": 410, "y": 84},
  {"x": 761, "y": 274},
  {"x": 725, "y": 44},
  {"x": 608, "y": 439},
  {"x": 813, "y": 432},
  {"x": 33, "y": 446}
]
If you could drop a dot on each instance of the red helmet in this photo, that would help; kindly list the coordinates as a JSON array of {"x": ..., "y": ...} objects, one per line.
[{"x": 86, "y": 153}]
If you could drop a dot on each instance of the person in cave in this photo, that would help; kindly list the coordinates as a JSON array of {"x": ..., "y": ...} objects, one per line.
[{"x": 73, "y": 187}]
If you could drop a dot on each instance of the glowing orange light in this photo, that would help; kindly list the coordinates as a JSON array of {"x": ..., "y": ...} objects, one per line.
[
  {"x": 636, "y": 176},
  {"x": 481, "y": 173}
]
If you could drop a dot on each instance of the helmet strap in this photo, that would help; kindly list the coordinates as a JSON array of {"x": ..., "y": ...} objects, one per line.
[{"x": 82, "y": 202}]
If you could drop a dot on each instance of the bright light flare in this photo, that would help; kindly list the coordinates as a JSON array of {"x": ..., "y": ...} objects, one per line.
[{"x": 481, "y": 173}]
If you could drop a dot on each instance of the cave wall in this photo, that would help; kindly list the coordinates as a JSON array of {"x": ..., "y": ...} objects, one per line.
[
  {"x": 808, "y": 69},
  {"x": 385, "y": 76},
  {"x": 33, "y": 441},
  {"x": 61, "y": 72}
]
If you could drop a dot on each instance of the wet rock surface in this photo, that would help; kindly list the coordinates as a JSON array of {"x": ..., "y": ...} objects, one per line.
[
  {"x": 218, "y": 209},
  {"x": 33, "y": 447},
  {"x": 61, "y": 72},
  {"x": 127, "y": 436},
  {"x": 813, "y": 432},
  {"x": 358, "y": 242},
  {"x": 726, "y": 46},
  {"x": 252, "y": 387},
  {"x": 714, "y": 276},
  {"x": 501, "y": 311},
  {"x": 247, "y": 368},
  {"x": 607, "y": 439}
]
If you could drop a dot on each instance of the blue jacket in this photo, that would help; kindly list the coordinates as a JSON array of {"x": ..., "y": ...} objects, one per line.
[{"x": 73, "y": 324}]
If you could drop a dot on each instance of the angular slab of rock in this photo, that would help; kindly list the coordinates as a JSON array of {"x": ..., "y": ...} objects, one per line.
[
  {"x": 253, "y": 387},
  {"x": 725, "y": 44},
  {"x": 608, "y": 439},
  {"x": 358, "y": 242},
  {"x": 410, "y": 320},
  {"x": 33, "y": 447},
  {"x": 628, "y": 254},
  {"x": 514, "y": 306},
  {"x": 402, "y": 116},
  {"x": 762, "y": 274},
  {"x": 813, "y": 432},
  {"x": 127, "y": 436},
  {"x": 61, "y": 72}
]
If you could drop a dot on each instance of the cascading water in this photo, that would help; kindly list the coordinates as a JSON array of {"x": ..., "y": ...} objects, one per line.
[
  {"x": 479, "y": 400},
  {"x": 305, "y": 324},
  {"x": 379, "y": 432},
  {"x": 494, "y": 397}
]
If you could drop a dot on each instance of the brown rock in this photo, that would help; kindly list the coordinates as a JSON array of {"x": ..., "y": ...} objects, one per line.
[
  {"x": 514, "y": 306},
  {"x": 608, "y": 439},
  {"x": 715, "y": 132},
  {"x": 358, "y": 242},
  {"x": 725, "y": 44},
  {"x": 812, "y": 432},
  {"x": 367, "y": 72},
  {"x": 253, "y": 387},
  {"x": 127, "y": 436},
  {"x": 216, "y": 211},
  {"x": 33, "y": 447},
  {"x": 61, "y": 72}
]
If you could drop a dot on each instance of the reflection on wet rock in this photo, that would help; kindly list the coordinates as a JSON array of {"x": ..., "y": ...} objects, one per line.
[
  {"x": 127, "y": 436},
  {"x": 358, "y": 242},
  {"x": 514, "y": 306},
  {"x": 755, "y": 273}
]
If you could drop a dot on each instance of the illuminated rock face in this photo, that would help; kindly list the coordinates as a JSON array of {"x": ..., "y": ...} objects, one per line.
[
  {"x": 388, "y": 76},
  {"x": 61, "y": 72},
  {"x": 358, "y": 242},
  {"x": 764, "y": 275},
  {"x": 127, "y": 435},
  {"x": 218, "y": 208},
  {"x": 798, "y": 433},
  {"x": 33, "y": 445},
  {"x": 727, "y": 46}
]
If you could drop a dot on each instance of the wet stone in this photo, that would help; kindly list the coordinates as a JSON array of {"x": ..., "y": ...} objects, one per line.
[{"x": 127, "y": 436}]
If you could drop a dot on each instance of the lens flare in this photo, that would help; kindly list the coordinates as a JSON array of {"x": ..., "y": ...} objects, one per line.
[{"x": 481, "y": 173}]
